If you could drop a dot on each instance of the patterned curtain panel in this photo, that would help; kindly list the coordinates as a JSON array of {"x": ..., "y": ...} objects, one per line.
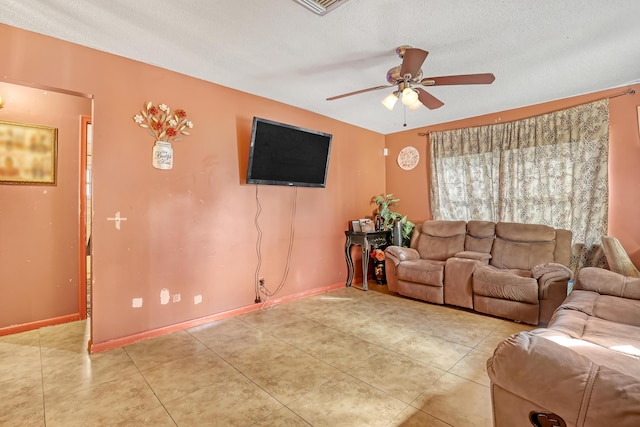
[{"x": 549, "y": 169}]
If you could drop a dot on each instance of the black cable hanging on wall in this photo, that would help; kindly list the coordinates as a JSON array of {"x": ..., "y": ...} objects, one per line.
[{"x": 260, "y": 285}]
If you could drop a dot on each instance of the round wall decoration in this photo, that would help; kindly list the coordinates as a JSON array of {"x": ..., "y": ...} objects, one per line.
[{"x": 408, "y": 158}]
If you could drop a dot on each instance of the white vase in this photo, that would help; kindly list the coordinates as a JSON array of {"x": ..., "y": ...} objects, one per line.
[{"x": 162, "y": 155}]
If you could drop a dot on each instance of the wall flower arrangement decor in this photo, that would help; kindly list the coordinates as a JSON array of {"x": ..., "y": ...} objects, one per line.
[{"x": 165, "y": 127}]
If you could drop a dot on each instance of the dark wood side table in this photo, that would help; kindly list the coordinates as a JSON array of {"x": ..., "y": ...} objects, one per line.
[{"x": 367, "y": 240}]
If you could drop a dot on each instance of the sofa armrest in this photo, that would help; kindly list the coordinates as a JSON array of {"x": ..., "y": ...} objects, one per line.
[
  {"x": 556, "y": 269},
  {"x": 399, "y": 254},
  {"x": 394, "y": 255},
  {"x": 606, "y": 282},
  {"x": 570, "y": 385},
  {"x": 550, "y": 275},
  {"x": 478, "y": 256}
]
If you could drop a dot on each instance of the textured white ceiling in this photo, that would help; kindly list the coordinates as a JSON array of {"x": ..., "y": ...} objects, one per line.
[{"x": 538, "y": 50}]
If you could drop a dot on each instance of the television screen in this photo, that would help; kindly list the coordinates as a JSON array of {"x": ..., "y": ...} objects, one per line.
[{"x": 282, "y": 154}]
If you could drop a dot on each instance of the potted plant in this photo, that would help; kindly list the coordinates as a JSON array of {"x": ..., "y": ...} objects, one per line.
[{"x": 385, "y": 203}]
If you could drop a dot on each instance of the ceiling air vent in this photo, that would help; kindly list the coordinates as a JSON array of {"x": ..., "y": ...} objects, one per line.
[{"x": 321, "y": 7}]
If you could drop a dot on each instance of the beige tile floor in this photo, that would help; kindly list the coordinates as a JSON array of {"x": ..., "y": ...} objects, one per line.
[{"x": 342, "y": 358}]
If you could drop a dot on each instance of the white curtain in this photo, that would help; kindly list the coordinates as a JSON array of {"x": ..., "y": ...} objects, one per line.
[{"x": 549, "y": 169}]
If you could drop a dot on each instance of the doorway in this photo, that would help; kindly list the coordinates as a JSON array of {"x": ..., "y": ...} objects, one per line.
[
  {"x": 40, "y": 223},
  {"x": 86, "y": 209}
]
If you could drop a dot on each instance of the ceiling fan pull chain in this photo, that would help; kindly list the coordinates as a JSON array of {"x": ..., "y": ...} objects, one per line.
[{"x": 404, "y": 110}]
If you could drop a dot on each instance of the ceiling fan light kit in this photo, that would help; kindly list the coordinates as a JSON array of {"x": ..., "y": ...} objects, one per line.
[
  {"x": 409, "y": 73},
  {"x": 409, "y": 96},
  {"x": 415, "y": 105},
  {"x": 390, "y": 101}
]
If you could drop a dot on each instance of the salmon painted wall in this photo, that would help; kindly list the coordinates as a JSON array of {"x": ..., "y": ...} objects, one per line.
[
  {"x": 624, "y": 157},
  {"x": 189, "y": 232},
  {"x": 39, "y": 224}
]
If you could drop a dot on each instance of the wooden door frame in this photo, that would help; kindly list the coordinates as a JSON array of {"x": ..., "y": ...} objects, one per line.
[{"x": 82, "y": 234}]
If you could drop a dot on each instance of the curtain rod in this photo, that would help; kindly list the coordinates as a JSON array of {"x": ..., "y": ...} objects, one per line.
[{"x": 626, "y": 92}]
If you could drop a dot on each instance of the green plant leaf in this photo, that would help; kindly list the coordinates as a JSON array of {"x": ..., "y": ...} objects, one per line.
[{"x": 385, "y": 203}]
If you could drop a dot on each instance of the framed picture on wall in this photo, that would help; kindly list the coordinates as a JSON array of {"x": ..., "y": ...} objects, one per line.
[{"x": 28, "y": 154}]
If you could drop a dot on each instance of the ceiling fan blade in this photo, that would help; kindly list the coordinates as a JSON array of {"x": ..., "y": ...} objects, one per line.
[
  {"x": 463, "y": 79},
  {"x": 428, "y": 100},
  {"x": 358, "y": 92},
  {"x": 412, "y": 61}
]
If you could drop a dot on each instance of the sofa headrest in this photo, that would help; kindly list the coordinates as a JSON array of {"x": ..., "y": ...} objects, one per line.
[
  {"x": 444, "y": 228},
  {"x": 528, "y": 233},
  {"x": 481, "y": 229},
  {"x": 480, "y": 235}
]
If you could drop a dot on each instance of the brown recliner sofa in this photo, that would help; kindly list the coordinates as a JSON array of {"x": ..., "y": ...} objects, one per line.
[
  {"x": 511, "y": 270},
  {"x": 583, "y": 369}
]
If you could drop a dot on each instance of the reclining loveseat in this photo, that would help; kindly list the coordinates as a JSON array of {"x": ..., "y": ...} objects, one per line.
[
  {"x": 511, "y": 270},
  {"x": 583, "y": 369}
]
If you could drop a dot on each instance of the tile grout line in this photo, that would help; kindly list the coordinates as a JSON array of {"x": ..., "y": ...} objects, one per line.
[
  {"x": 150, "y": 388},
  {"x": 44, "y": 402}
]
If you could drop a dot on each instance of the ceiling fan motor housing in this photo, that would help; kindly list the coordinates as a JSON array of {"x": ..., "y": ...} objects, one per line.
[
  {"x": 400, "y": 50},
  {"x": 394, "y": 77}
]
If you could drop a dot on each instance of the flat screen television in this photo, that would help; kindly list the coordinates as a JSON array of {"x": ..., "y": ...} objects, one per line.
[{"x": 283, "y": 154}]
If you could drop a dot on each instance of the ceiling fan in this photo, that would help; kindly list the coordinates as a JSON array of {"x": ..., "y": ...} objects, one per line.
[{"x": 409, "y": 73}]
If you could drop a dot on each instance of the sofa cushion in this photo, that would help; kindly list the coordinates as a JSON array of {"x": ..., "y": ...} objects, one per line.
[
  {"x": 521, "y": 255},
  {"x": 606, "y": 307},
  {"x": 607, "y": 342},
  {"x": 421, "y": 271},
  {"x": 518, "y": 232},
  {"x": 440, "y": 240},
  {"x": 444, "y": 228},
  {"x": 480, "y": 235},
  {"x": 511, "y": 285},
  {"x": 589, "y": 331}
]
